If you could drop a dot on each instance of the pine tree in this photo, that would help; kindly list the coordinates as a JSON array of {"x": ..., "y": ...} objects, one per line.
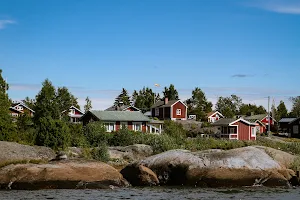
[
  {"x": 46, "y": 103},
  {"x": 170, "y": 93},
  {"x": 281, "y": 111},
  {"x": 123, "y": 98},
  {"x": 7, "y": 130},
  {"x": 88, "y": 104}
]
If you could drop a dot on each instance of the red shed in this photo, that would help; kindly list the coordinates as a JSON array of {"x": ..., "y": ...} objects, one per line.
[{"x": 236, "y": 129}]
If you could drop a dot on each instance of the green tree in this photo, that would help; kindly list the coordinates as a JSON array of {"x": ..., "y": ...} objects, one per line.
[
  {"x": 249, "y": 109},
  {"x": 95, "y": 133},
  {"x": 53, "y": 133},
  {"x": 281, "y": 111},
  {"x": 46, "y": 103},
  {"x": 88, "y": 104},
  {"x": 171, "y": 93},
  {"x": 296, "y": 106},
  {"x": 123, "y": 98},
  {"x": 7, "y": 129},
  {"x": 144, "y": 99},
  {"x": 198, "y": 104},
  {"x": 65, "y": 99},
  {"x": 29, "y": 102},
  {"x": 229, "y": 106}
]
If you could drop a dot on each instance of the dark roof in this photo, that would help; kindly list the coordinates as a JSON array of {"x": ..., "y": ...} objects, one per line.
[
  {"x": 121, "y": 108},
  {"x": 224, "y": 122},
  {"x": 161, "y": 104},
  {"x": 256, "y": 117},
  {"x": 13, "y": 109},
  {"x": 295, "y": 119},
  {"x": 119, "y": 116},
  {"x": 286, "y": 120}
]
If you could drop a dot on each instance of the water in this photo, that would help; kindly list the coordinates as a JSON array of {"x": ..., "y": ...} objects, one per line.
[{"x": 159, "y": 193}]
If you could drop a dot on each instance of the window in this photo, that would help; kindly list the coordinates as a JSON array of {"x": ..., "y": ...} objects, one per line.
[
  {"x": 110, "y": 127},
  {"x": 253, "y": 132},
  {"x": 123, "y": 125},
  {"x": 72, "y": 111},
  {"x": 137, "y": 126},
  {"x": 156, "y": 111},
  {"x": 295, "y": 129},
  {"x": 232, "y": 131},
  {"x": 14, "y": 114},
  {"x": 178, "y": 112}
]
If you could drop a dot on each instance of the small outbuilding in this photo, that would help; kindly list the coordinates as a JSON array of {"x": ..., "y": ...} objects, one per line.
[{"x": 236, "y": 129}]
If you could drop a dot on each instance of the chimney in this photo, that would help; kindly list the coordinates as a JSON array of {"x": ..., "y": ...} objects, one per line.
[{"x": 166, "y": 100}]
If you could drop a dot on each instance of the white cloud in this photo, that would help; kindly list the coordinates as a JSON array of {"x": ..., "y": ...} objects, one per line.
[
  {"x": 278, "y": 6},
  {"x": 4, "y": 23}
]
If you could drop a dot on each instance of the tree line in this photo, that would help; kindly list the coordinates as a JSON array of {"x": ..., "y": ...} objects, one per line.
[{"x": 51, "y": 127}]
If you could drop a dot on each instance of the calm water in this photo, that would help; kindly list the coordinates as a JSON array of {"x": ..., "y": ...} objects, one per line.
[{"x": 156, "y": 193}]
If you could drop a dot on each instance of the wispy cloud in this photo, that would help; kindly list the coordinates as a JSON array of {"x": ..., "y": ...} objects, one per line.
[
  {"x": 278, "y": 6},
  {"x": 4, "y": 23},
  {"x": 242, "y": 75}
]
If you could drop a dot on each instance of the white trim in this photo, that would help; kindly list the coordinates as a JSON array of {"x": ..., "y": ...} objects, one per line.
[
  {"x": 108, "y": 128},
  {"x": 73, "y": 107},
  {"x": 243, "y": 120},
  {"x": 178, "y": 112},
  {"x": 216, "y": 112},
  {"x": 253, "y": 128},
  {"x": 177, "y": 102},
  {"x": 131, "y": 107},
  {"x": 134, "y": 126},
  {"x": 22, "y": 104}
]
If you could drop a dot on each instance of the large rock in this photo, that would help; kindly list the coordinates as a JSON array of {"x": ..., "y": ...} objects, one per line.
[
  {"x": 237, "y": 167},
  {"x": 11, "y": 151},
  {"x": 60, "y": 175},
  {"x": 139, "y": 175},
  {"x": 130, "y": 153}
]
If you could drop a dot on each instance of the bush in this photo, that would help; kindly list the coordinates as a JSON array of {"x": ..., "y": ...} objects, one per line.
[
  {"x": 100, "y": 153},
  {"x": 95, "y": 134},
  {"x": 122, "y": 137},
  {"x": 52, "y": 133},
  {"x": 175, "y": 130},
  {"x": 78, "y": 138}
]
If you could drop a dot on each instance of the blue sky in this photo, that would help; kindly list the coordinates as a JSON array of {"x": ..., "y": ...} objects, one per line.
[{"x": 247, "y": 47}]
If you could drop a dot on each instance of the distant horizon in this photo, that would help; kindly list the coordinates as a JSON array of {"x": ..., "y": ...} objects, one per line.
[{"x": 250, "y": 48}]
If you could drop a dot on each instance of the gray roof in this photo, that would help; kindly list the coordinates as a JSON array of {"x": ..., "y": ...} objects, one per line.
[
  {"x": 120, "y": 116},
  {"x": 223, "y": 122},
  {"x": 161, "y": 104},
  {"x": 120, "y": 108},
  {"x": 286, "y": 120},
  {"x": 256, "y": 117}
]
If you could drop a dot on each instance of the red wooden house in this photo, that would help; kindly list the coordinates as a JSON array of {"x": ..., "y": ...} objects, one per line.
[
  {"x": 264, "y": 119},
  {"x": 236, "y": 129},
  {"x": 214, "y": 116},
  {"x": 18, "y": 108},
  {"x": 74, "y": 114},
  {"x": 169, "y": 110}
]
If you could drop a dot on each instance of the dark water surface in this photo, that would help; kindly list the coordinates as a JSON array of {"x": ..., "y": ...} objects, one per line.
[{"x": 156, "y": 193}]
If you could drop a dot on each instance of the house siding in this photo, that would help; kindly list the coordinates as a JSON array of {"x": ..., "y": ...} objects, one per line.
[
  {"x": 295, "y": 128},
  {"x": 181, "y": 106},
  {"x": 161, "y": 113},
  {"x": 167, "y": 113},
  {"x": 244, "y": 131}
]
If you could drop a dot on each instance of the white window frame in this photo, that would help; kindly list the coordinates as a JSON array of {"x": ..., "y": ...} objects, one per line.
[
  {"x": 178, "y": 111},
  {"x": 156, "y": 111},
  {"x": 108, "y": 126},
  {"x": 253, "y": 131},
  {"x": 72, "y": 111},
  {"x": 232, "y": 132},
  {"x": 123, "y": 124},
  {"x": 134, "y": 124}
]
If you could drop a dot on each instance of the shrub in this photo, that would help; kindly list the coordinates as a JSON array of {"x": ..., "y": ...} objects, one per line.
[
  {"x": 78, "y": 138},
  {"x": 100, "y": 153},
  {"x": 122, "y": 137},
  {"x": 95, "y": 133},
  {"x": 175, "y": 130}
]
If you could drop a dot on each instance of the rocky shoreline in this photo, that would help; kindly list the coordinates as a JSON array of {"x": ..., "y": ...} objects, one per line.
[{"x": 247, "y": 166}]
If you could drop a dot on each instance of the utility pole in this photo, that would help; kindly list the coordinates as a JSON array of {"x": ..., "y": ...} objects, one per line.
[{"x": 269, "y": 116}]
